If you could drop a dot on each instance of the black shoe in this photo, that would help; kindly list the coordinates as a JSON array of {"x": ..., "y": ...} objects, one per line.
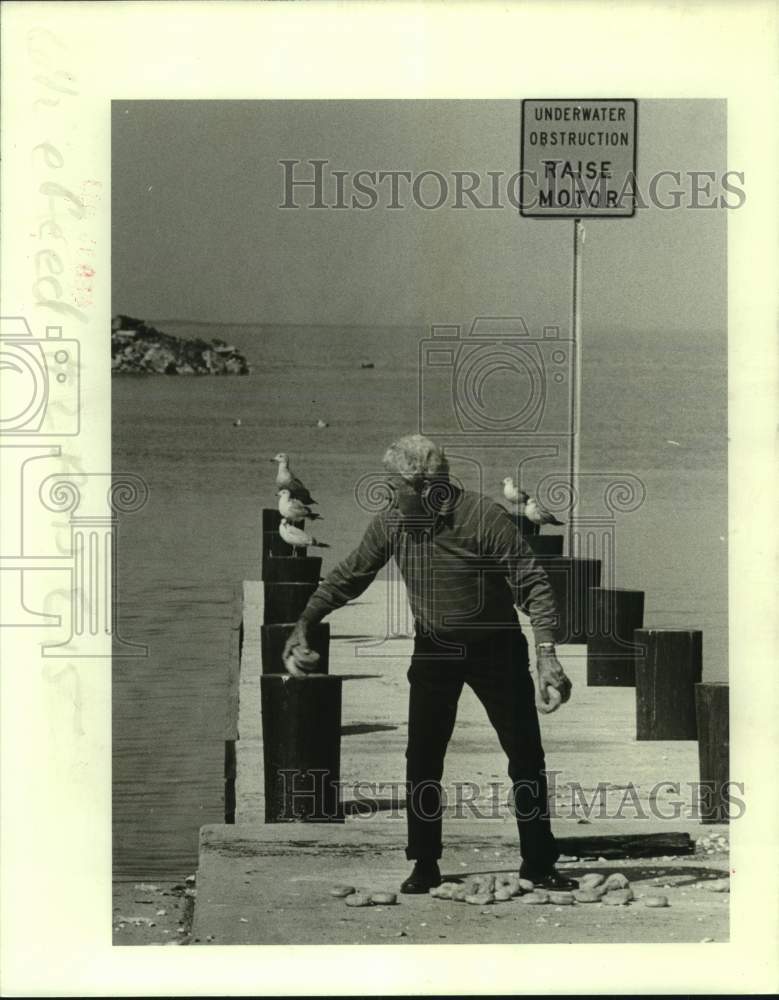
[
  {"x": 550, "y": 879},
  {"x": 424, "y": 877}
]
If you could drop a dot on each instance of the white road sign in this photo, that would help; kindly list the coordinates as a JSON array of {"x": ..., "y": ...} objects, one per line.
[{"x": 578, "y": 158}]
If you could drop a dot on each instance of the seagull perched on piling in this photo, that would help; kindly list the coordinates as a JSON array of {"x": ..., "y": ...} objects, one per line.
[
  {"x": 285, "y": 479},
  {"x": 298, "y": 538},
  {"x": 292, "y": 509},
  {"x": 537, "y": 514},
  {"x": 510, "y": 491},
  {"x": 527, "y": 507}
]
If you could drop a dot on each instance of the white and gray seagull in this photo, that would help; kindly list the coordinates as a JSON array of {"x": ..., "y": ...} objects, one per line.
[
  {"x": 537, "y": 514},
  {"x": 292, "y": 509},
  {"x": 298, "y": 538},
  {"x": 285, "y": 478},
  {"x": 527, "y": 506},
  {"x": 511, "y": 491}
]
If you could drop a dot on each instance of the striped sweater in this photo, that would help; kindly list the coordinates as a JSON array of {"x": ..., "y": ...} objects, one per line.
[{"x": 464, "y": 568}]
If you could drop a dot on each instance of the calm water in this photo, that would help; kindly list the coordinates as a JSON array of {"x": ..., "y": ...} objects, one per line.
[{"x": 198, "y": 535}]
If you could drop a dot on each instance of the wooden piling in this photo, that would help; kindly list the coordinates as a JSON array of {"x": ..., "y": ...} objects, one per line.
[
  {"x": 292, "y": 569},
  {"x": 232, "y": 704},
  {"x": 572, "y": 580},
  {"x": 271, "y": 519},
  {"x": 668, "y": 665},
  {"x": 273, "y": 638},
  {"x": 615, "y": 616},
  {"x": 301, "y": 723},
  {"x": 284, "y": 602},
  {"x": 712, "y": 704},
  {"x": 545, "y": 545}
]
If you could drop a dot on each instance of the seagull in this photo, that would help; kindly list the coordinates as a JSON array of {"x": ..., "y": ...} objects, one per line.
[
  {"x": 518, "y": 498},
  {"x": 511, "y": 492},
  {"x": 298, "y": 538},
  {"x": 539, "y": 515},
  {"x": 292, "y": 509},
  {"x": 528, "y": 508},
  {"x": 285, "y": 478}
]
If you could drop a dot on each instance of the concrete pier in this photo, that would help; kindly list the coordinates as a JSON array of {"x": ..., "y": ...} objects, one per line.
[{"x": 269, "y": 883}]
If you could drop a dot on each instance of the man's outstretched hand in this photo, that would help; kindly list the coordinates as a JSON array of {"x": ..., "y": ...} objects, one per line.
[
  {"x": 298, "y": 658},
  {"x": 554, "y": 685}
]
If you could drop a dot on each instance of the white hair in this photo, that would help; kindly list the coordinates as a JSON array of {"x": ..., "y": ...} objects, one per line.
[{"x": 416, "y": 458}]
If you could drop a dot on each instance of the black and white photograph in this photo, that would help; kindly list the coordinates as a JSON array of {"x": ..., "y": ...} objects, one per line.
[
  {"x": 419, "y": 550},
  {"x": 463, "y": 636}
]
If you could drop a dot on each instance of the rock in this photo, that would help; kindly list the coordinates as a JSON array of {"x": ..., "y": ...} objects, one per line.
[
  {"x": 654, "y": 901},
  {"x": 384, "y": 898},
  {"x": 618, "y": 897},
  {"x": 561, "y": 898},
  {"x": 137, "y": 348},
  {"x": 339, "y": 891},
  {"x": 479, "y": 884},
  {"x": 503, "y": 894},
  {"x": 459, "y": 893},
  {"x": 717, "y": 885},
  {"x": 358, "y": 899},
  {"x": 587, "y": 896},
  {"x": 443, "y": 891},
  {"x": 616, "y": 881},
  {"x": 535, "y": 898},
  {"x": 514, "y": 885},
  {"x": 480, "y": 898},
  {"x": 526, "y": 885},
  {"x": 322, "y": 423},
  {"x": 365, "y": 363},
  {"x": 190, "y": 880},
  {"x": 591, "y": 880}
]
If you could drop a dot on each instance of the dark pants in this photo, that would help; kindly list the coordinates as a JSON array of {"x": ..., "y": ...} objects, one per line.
[{"x": 497, "y": 669}]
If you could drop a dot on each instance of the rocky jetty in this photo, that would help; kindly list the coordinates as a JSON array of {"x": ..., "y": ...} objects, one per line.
[{"x": 140, "y": 349}]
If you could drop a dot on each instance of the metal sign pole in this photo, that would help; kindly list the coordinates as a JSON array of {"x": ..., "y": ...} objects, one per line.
[{"x": 576, "y": 380}]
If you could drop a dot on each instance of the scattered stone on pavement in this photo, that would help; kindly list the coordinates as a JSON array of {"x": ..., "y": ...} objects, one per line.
[
  {"x": 339, "y": 891},
  {"x": 618, "y": 897}
]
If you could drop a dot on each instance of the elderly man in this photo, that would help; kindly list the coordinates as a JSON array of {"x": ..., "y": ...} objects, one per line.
[{"x": 465, "y": 567}]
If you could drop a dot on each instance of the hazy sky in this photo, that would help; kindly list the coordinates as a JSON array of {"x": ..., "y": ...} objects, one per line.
[{"x": 198, "y": 233}]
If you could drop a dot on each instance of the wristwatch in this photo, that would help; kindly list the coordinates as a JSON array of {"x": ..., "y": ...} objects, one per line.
[{"x": 547, "y": 647}]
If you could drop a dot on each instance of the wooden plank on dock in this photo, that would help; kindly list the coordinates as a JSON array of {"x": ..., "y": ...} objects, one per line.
[
  {"x": 235, "y": 643},
  {"x": 627, "y": 845}
]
